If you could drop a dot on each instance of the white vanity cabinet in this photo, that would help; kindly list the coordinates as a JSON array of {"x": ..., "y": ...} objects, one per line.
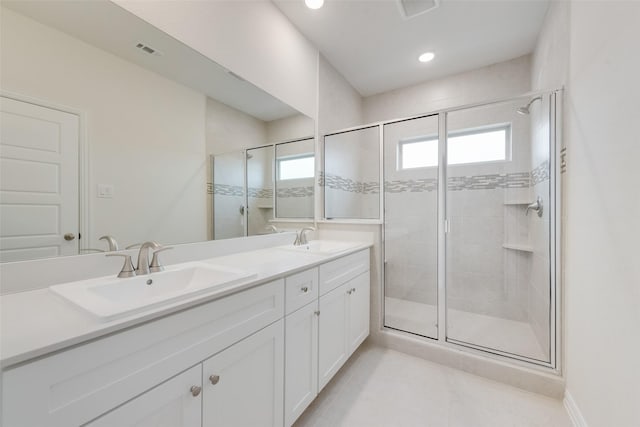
[
  {"x": 255, "y": 358},
  {"x": 244, "y": 384},
  {"x": 301, "y": 361},
  {"x": 344, "y": 325},
  {"x": 322, "y": 335},
  {"x": 174, "y": 403},
  {"x": 78, "y": 385}
]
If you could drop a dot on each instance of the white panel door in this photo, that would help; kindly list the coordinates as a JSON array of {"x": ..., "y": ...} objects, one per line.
[
  {"x": 244, "y": 384},
  {"x": 38, "y": 181},
  {"x": 332, "y": 333},
  {"x": 175, "y": 403},
  {"x": 358, "y": 311},
  {"x": 301, "y": 361}
]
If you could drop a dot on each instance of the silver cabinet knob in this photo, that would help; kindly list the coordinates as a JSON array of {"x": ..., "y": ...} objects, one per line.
[
  {"x": 349, "y": 291},
  {"x": 353, "y": 289},
  {"x": 214, "y": 379},
  {"x": 304, "y": 289},
  {"x": 69, "y": 237},
  {"x": 195, "y": 390},
  {"x": 317, "y": 312}
]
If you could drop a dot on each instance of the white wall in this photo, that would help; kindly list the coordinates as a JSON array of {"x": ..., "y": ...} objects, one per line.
[
  {"x": 251, "y": 38},
  {"x": 145, "y": 133},
  {"x": 290, "y": 128},
  {"x": 505, "y": 79},
  {"x": 602, "y": 272}
]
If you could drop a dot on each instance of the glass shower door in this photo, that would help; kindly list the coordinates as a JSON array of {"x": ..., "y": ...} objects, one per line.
[
  {"x": 498, "y": 271},
  {"x": 410, "y": 228}
]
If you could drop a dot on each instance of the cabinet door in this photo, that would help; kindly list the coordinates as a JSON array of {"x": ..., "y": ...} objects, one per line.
[
  {"x": 244, "y": 384},
  {"x": 301, "y": 361},
  {"x": 173, "y": 403},
  {"x": 358, "y": 311},
  {"x": 332, "y": 333}
]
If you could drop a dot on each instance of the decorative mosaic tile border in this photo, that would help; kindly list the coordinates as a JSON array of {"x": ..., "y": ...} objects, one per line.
[
  {"x": 295, "y": 192},
  {"x": 224, "y": 189},
  {"x": 411, "y": 185},
  {"x": 457, "y": 183},
  {"x": 541, "y": 173},
  {"x": 260, "y": 193},
  {"x": 489, "y": 182},
  {"x": 336, "y": 182}
]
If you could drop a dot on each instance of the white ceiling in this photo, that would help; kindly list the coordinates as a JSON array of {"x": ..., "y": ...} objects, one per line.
[{"x": 376, "y": 49}]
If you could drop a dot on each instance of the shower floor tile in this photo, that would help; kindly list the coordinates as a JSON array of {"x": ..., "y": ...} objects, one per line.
[
  {"x": 379, "y": 387},
  {"x": 478, "y": 329}
]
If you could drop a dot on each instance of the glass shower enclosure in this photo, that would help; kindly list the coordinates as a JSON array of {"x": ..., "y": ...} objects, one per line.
[{"x": 469, "y": 227}]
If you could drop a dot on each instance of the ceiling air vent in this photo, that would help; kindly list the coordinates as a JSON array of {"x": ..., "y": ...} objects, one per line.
[
  {"x": 412, "y": 8},
  {"x": 148, "y": 49}
]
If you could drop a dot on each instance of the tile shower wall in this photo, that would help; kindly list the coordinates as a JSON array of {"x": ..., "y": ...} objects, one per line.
[
  {"x": 295, "y": 198},
  {"x": 227, "y": 192},
  {"x": 259, "y": 189},
  {"x": 351, "y": 178}
]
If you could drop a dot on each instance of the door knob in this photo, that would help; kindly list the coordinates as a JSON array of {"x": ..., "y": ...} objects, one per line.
[{"x": 69, "y": 237}]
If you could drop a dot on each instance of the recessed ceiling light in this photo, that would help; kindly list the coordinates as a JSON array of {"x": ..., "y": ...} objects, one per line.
[
  {"x": 426, "y": 57},
  {"x": 314, "y": 4}
]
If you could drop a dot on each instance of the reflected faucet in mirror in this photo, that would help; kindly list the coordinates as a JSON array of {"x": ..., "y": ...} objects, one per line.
[
  {"x": 112, "y": 243},
  {"x": 301, "y": 237}
]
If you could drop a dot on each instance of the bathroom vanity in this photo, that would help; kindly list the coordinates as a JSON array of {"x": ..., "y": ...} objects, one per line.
[{"x": 253, "y": 354}]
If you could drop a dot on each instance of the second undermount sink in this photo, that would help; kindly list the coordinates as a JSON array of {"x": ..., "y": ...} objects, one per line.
[
  {"x": 320, "y": 247},
  {"x": 109, "y": 298}
]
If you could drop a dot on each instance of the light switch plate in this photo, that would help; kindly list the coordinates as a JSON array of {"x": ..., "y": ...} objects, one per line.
[{"x": 105, "y": 191}]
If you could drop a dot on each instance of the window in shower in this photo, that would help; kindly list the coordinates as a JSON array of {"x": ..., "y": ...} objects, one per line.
[
  {"x": 497, "y": 253},
  {"x": 296, "y": 167},
  {"x": 487, "y": 144}
]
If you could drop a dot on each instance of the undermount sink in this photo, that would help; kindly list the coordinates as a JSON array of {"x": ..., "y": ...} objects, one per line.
[
  {"x": 321, "y": 247},
  {"x": 109, "y": 297}
]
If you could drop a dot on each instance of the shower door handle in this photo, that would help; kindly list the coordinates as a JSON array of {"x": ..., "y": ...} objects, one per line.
[{"x": 536, "y": 206}]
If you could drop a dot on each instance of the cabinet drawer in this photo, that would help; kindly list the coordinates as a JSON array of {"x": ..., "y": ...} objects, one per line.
[
  {"x": 300, "y": 289},
  {"x": 335, "y": 273},
  {"x": 75, "y": 386}
]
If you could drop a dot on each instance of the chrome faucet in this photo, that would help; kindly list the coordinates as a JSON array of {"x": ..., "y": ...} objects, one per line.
[
  {"x": 271, "y": 227},
  {"x": 111, "y": 242},
  {"x": 143, "y": 257},
  {"x": 301, "y": 237}
]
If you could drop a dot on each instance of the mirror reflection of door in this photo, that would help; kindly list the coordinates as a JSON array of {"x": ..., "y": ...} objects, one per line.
[
  {"x": 259, "y": 190},
  {"x": 39, "y": 209},
  {"x": 228, "y": 195}
]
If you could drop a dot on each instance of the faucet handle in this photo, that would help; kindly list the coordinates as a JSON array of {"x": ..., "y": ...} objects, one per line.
[
  {"x": 155, "y": 263},
  {"x": 127, "y": 268}
]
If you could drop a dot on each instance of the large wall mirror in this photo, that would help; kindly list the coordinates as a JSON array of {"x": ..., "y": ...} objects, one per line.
[
  {"x": 257, "y": 188},
  {"x": 109, "y": 126}
]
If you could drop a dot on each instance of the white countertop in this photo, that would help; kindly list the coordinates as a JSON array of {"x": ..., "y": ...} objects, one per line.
[{"x": 38, "y": 322}]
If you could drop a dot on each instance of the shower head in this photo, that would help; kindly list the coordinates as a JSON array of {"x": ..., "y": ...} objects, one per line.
[{"x": 525, "y": 110}]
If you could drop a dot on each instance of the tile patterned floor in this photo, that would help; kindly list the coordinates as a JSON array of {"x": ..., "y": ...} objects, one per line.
[{"x": 379, "y": 387}]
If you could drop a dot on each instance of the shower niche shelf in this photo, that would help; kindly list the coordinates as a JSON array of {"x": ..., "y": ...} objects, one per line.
[{"x": 518, "y": 247}]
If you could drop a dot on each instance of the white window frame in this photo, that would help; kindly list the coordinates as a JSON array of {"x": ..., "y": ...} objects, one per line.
[
  {"x": 434, "y": 138},
  {"x": 294, "y": 157}
]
